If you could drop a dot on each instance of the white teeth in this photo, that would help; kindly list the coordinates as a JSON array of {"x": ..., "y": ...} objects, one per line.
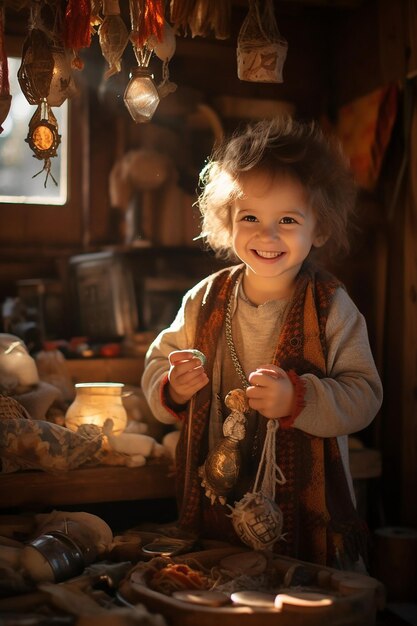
[{"x": 268, "y": 255}]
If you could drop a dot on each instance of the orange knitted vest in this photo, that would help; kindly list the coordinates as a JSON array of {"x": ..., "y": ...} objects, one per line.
[{"x": 321, "y": 524}]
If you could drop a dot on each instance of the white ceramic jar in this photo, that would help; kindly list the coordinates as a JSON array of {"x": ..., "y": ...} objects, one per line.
[{"x": 94, "y": 403}]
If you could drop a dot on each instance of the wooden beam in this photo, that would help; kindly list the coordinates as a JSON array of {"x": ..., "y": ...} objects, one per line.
[
  {"x": 369, "y": 49},
  {"x": 409, "y": 338}
]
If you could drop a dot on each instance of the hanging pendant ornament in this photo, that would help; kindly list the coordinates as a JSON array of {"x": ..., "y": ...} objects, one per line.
[
  {"x": 35, "y": 76},
  {"x": 141, "y": 95},
  {"x": 43, "y": 138},
  {"x": 221, "y": 468},
  {"x": 258, "y": 521},
  {"x": 37, "y": 66},
  {"x": 256, "y": 518},
  {"x": 113, "y": 37},
  {"x": 45, "y": 79}
]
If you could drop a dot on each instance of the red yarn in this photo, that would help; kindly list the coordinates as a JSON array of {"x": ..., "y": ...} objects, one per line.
[
  {"x": 150, "y": 21},
  {"x": 77, "y": 32}
]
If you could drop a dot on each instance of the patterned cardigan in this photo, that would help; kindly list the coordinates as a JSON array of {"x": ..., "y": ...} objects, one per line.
[{"x": 320, "y": 521}]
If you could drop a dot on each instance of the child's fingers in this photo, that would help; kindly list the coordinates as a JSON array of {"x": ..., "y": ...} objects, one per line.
[
  {"x": 263, "y": 375},
  {"x": 254, "y": 392},
  {"x": 189, "y": 383},
  {"x": 188, "y": 376},
  {"x": 271, "y": 370},
  {"x": 186, "y": 370},
  {"x": 179, "y": 356}
]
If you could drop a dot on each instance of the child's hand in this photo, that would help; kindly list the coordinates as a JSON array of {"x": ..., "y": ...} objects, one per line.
[
  {"x": 186, "y": 375},
  {"x": 271, "y": 392}
]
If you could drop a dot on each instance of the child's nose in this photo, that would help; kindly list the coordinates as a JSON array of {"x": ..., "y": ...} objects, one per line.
[{"x": 269, "y": 231}]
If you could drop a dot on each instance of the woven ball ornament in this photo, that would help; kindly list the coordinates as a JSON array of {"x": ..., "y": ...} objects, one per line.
[{"x": 257, "y": 520}]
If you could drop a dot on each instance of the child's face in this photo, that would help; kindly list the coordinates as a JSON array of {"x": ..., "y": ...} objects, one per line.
[{"x": 273, "y": 227}]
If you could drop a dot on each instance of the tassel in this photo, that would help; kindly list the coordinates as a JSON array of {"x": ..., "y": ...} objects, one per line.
[
  {"x": 147, "y": 17},
  {"x": 268, "y": 468},
  {"x": 77, "y": 24}
]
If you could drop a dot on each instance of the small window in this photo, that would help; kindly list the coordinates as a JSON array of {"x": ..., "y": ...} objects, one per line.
[{"x": 20, "y": 181}]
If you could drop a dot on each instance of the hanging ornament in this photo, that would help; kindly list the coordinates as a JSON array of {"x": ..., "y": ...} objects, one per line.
[
  {"x": 222, "y": 465},
  {"x": 261, "y": 50},
  {"x": 141, "y": 95},
  {"x": 43, "y": 137},
  {"x": 256, "y": 518},
  {"x": 5, "y": 97},
  {"x": 257, "y": 521},
  {"x": 113, "y": 36},
  {"x": 35, "y": 78},
  {"x": 163, "y": 48},
  {"x": 35, "y": 71}
]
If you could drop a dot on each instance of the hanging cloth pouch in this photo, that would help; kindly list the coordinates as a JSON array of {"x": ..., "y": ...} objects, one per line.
[{"x": 261, "y": 51}]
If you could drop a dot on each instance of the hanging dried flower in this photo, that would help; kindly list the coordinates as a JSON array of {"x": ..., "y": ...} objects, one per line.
[
  {"x": 180, "y": 11},
  {"x": 77, "y": 32},
  {"x": 147, "y": 19},
  {"x": 113, "y": 36},
  {"x": 202, "y": 17}
]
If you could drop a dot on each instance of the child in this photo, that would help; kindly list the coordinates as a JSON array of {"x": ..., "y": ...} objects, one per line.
[{"x": 282, "y": 329}]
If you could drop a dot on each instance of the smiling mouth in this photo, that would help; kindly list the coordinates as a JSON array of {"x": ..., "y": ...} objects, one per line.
[{"x": 269, "y": 255}]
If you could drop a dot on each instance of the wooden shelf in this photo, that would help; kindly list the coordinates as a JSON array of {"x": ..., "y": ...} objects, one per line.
[
  {"x": 127, "y": 370},
  {"x": 87, "y": 485}
]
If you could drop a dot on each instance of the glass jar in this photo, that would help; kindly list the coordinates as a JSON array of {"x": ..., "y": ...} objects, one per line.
[{"x": 95, "y": 403}]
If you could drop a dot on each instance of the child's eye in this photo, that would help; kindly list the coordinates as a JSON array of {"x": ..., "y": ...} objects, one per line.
[
  {"x": 288, "y": 220},
  {"x": 250, "y": 218}
]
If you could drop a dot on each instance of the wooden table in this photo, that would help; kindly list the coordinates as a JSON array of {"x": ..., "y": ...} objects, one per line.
[{"x": 87, "y": 485}]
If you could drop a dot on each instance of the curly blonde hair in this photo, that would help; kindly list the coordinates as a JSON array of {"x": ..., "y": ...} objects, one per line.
[{"x": 282, "y": 147}]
